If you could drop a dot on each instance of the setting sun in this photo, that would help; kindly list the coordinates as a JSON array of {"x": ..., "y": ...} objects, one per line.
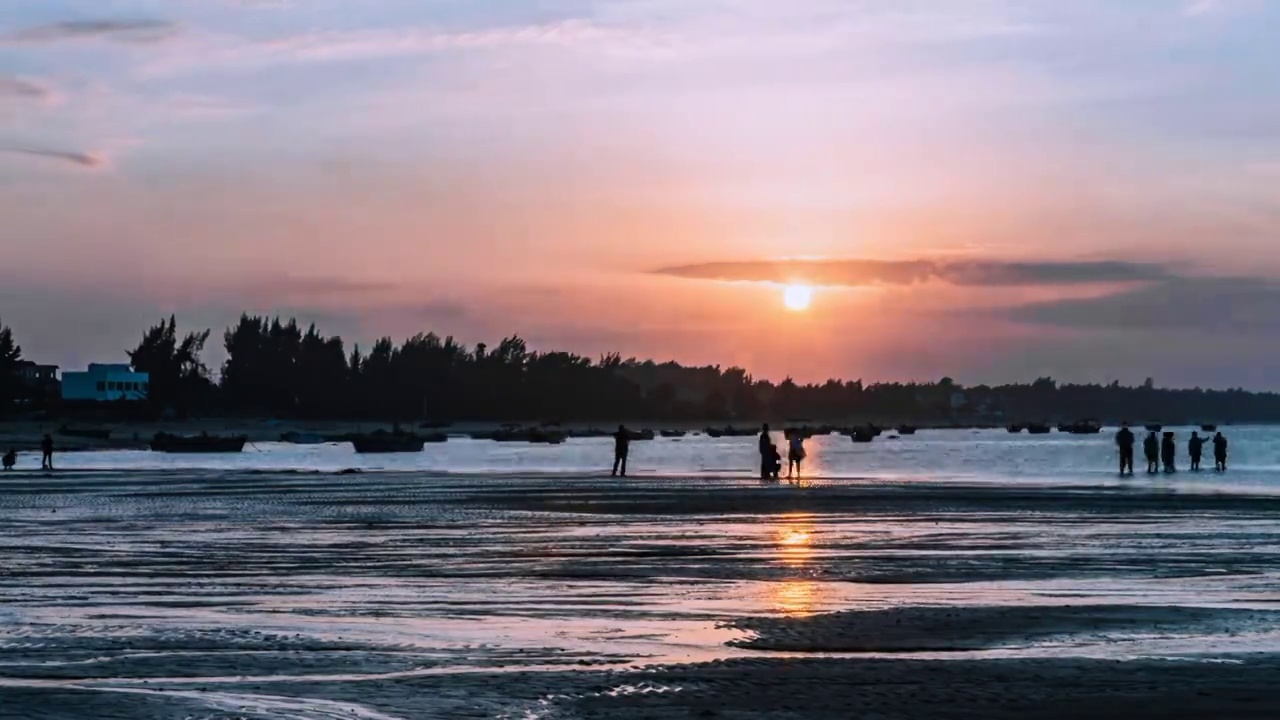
[{"x": 797, "y": 297}]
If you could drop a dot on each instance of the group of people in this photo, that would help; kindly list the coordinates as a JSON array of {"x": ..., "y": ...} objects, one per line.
[
  {"x": 1164, "y": 452},
  {"x": 770, "y": 457},
  {"x": 46, "y": 455}
]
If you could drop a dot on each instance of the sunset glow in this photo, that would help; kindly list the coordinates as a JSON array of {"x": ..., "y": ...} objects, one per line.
[
  {"x": 797, "y": 297},
  {"x": 1027, "y": 184}
]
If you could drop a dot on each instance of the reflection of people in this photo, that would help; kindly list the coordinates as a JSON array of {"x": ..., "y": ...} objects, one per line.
[
  {"x": 1151, "y": 448},
  {"x": 46, "y": 450},
  {"x": 795, "y": 452},
  {"x": 10, "y": 459},
  {"x": 1125, "y": 441},
  {"x": 767, "y": 452},
  {"x": 1169, "y": 452},
  {"x": 621, "y": 444},
  {"x": 1195, "y": 448},
  {"x": 1219, "y": 452}
]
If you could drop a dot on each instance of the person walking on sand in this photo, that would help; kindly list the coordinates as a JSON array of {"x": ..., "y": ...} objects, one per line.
[
  {"x": 767, "y": 451},
  {"x": 1219, "y": 452},
  {"x": 1151, "y": 448},
  {"x": 1125, "y": 441},
  {"x": 46, "y": 452},
  {"x": 1195, "y": 448},
  {"x": 621, "y": 445},
  {"x": 1169, "y": 453},
  {"x": 795, "y": 452}
]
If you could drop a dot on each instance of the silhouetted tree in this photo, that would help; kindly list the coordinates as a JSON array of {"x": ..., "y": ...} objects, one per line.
[
  {"x": 178, "y": 376},
  {"x": 10, "y": 356},
  {"x": 275, "y": 367}
]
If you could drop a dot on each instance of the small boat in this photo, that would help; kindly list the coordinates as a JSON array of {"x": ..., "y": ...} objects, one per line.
[
  {"x": 714, "y": 432},
  {"x": 545, "y": 437},
  {"x": 868, "y": 430},
  {"x": 862, "y": 436},
  {"x": 906, "y": 429},
  {"x": 673, "y": 433},
  {"x": 1082, "y": 427},
  {"x": 1154, "y": 428},
  {"x": 382, "y": 441},
  {"x": 645, "y": 434},
  {"x": 1209, "y": 428},
  {"x": 202, "y": 443},
  {"x": 1038, "y": 429},
  {"x": 590, "y": 433},
  {"x": 1015, "y": 428},
  {"x": 302, "y": 438},
  {"x": 85, "y": 432}
]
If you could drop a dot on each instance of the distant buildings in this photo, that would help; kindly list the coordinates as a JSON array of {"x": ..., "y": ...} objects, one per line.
[
  {"x": 105, "y": 382},
  {"x": 38, "y": 382}
]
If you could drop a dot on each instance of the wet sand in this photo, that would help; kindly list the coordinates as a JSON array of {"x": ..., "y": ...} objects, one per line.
[{"x": 212, "y": 594}]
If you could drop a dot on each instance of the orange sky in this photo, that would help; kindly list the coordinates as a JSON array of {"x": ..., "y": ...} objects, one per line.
[{"x": 529, "y": 168}]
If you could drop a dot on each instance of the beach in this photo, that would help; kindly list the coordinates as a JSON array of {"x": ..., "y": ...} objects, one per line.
[{"x": 257, "y": 593}]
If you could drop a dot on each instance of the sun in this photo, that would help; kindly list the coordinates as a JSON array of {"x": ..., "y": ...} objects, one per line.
[{"x": 797, "y": 297}]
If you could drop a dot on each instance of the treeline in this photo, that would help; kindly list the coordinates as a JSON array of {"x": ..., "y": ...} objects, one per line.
[{"x": 277, "y": 368}]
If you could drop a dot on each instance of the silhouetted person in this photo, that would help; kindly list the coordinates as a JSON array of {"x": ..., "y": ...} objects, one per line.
[
  {"x": 46, "y": 450},
  {"x": 795, "y": 452},
  {"x": 621, "y": 444},
  {"x": 1195, "y": 448},
  {"x": 1125, "y": 441},
  {"x": 1151, "y": 448},
  {"x": 775, "y": 463},
  {"x": 10, "y": 459},
  {"x": 1219, "y": 452},
  {"x": 1169, "y": 453},
  {"x": 767, "y": 451}
]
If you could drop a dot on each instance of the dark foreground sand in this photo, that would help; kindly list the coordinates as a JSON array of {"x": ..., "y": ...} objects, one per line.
[
  {"x": 218, "y": 595},
  {"x": 750, "y": 689}
]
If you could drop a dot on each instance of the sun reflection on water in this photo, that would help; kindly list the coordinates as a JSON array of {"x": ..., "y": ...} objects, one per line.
[
  {"x": 794, "y": 537},
  {"x": 796, "y": 597}
]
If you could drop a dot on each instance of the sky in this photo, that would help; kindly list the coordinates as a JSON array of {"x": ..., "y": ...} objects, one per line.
[{"x": 991, "y": 190}]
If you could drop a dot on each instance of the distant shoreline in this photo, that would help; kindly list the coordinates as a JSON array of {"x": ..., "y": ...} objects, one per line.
[{"x": 25, "y": 435}]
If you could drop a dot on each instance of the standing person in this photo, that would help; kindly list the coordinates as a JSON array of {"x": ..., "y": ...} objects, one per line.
[
  {"x": 767, "y": 451},
  {"x": 46, "y": 450},
  {"x": 1151, "y": 448},
  {"x": 621, "y": 445},
  {"x": 795, "y": 452},
  {"x": 1219, "y": 452},
  {"x": 1195, "y": 447},
  {"x": 1169, "y": 452},
  {"x": 1125, "y": 441},
  {"x": 10, "y": 459}
]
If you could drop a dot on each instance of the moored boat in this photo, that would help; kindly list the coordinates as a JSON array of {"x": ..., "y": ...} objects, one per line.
[
  {"x": 1015, "y": 428},
  {"x": 906, "y": 429},
  {"x": 382, "y": 441},
  {"x": 1083, "y": 427},
  {"x": 302, "y": 438},
  {"x": 673, "y": 433},
  {"x": 202, "y": 443},
  {"x": 1038, "y": 429}
]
